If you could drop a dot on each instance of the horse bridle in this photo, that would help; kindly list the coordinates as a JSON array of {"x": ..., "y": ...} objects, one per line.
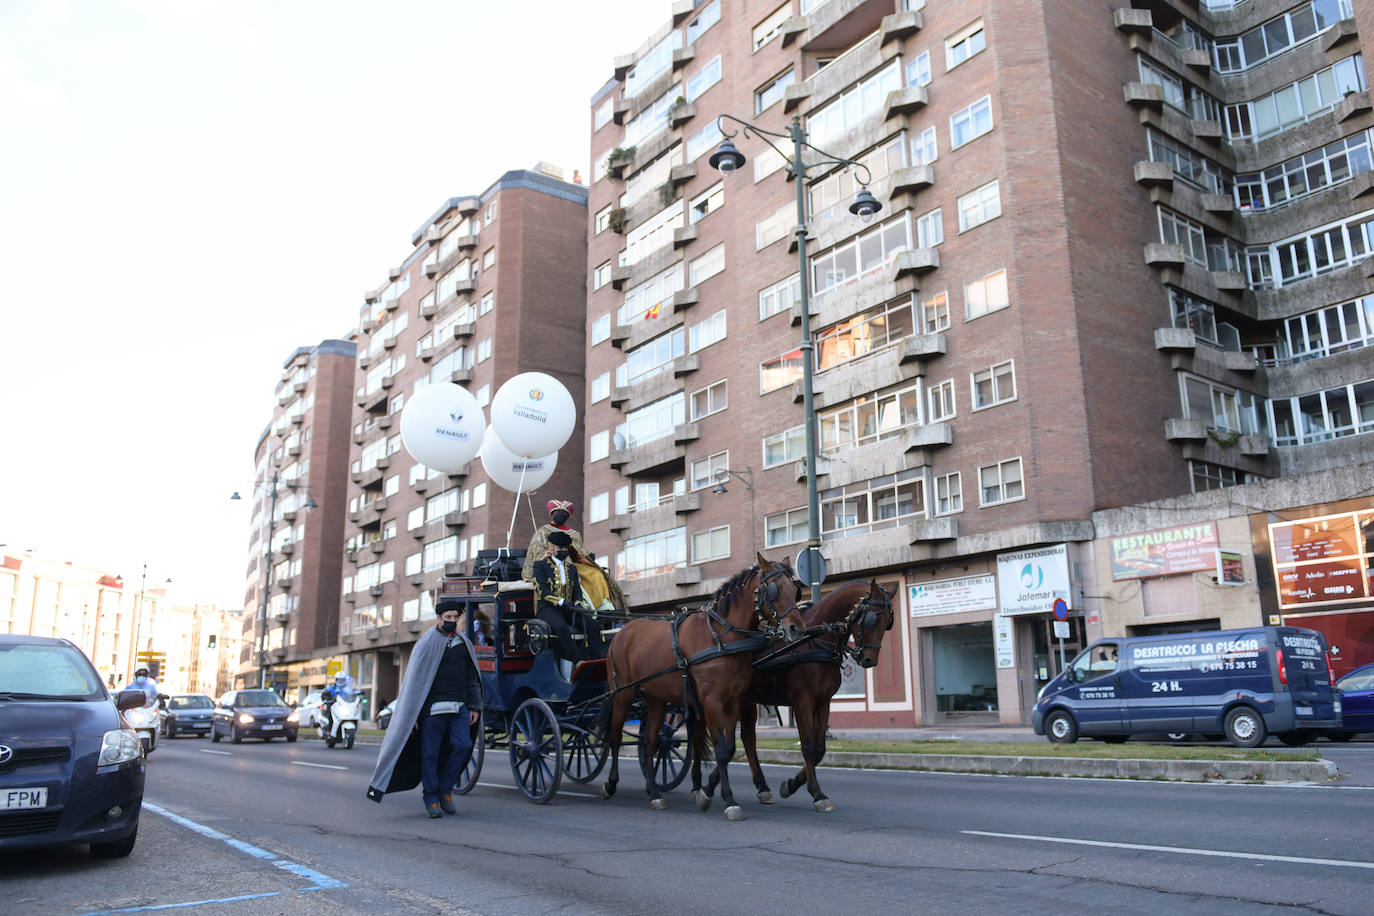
[
  {"x": 767, "y": 593},
  {"x": 865, "y": 613}
]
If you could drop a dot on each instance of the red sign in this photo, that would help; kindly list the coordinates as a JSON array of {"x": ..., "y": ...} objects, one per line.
[
  {"x": 1322, "y": 583},
  {"x": 1315, "y": 539}
]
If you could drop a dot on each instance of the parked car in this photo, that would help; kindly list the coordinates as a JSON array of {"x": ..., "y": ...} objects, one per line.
[
  {"x": 257, "y": 713},
  {"x": 309, "y": 709},
  {"x": 71, "y": 770},
  {"x": 384, "y": 717},
  {"x": 1357, "y": 704},
  {"x": 187, "y": 714}
]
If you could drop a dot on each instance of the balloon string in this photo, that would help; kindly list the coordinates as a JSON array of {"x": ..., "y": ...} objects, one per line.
[
  {"x": 529, "y": 503},
  {"x": 515, "y": 507}
]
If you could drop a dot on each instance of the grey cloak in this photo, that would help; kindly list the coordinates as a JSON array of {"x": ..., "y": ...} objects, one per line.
[{"x": 398, "y": 764}]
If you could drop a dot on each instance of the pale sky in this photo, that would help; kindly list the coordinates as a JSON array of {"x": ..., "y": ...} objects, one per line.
[{"x": 190, "y": 190}]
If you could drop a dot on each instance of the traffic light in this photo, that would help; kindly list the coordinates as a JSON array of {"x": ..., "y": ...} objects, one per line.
[{"x": 211, "y": 644}]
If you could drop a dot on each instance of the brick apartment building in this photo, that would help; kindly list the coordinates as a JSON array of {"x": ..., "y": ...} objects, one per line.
[
  {"x": 1122, "y": 261},
  {"x": 300, "y": 474},
  {"x": 492, "y": 285}
]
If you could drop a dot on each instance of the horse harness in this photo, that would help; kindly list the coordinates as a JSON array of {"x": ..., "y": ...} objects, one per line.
[{"x": 865, "y": 612}]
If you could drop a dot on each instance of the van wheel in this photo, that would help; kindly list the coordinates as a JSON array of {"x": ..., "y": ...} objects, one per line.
[
  {"x": 1244, "y": 727},
  {"x": 1060, "y": 728},
  {"x": 1339, "y": 736},
  {"x": 1298, "y": 737},
  {"x": 1177, "y": 737}
]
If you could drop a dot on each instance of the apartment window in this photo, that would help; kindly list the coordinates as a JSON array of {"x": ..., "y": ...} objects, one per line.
[
  {"x": 862, "y": 334},
  {"x": 935, "y": 314},
  {"x": 868, "y": 419},
  {"x": 712, "y": 544},
  {"x": 706, "y": 266},
  {"x": 1221, "y": 407},
  {"x": 986, "y": 295},
  {"x": 598, "y": 446},
  {"x": 490, "y": 215},
  {"x": 703, "y": 79},
  {"x": 780, "y": 371},
  {"x": 601, "y": 387},
  {"x": 854, "y": 105},
  {"x": 704, "y": 333},
  {"x": 940, "y": 401},
  {"x": 652, "y": 119},
  {"x": 652, "y": 554},
  {"x": 704, "y": 140},
  {"x": 488, "y": 258},
  {"x": 1270, "y": 38},
  {"x": 1329, "y": 248},
  {"x": 1207, "y": 476},
  {"x": 1000, "y": 483},
  {"x": 994, "y": 385},
  {"x": 775, "y": 226},
  {"x": 598, "y": 508},
  {"x": 772, "y": 92},
  {"x": 484, "y": 395},
  {"x": 930, "y": 228},
  {"x": 604, "y": 111},
  {"x": 653, "y": 234},
  {"x": 487, "y": 303},
  {"x": 654, "y": 421},
  {"x": 603, "y": 219},
  {"x": 1334, "y": 329},
  {"x": 708, "y": 17},
  {"x": 414, "y": 519},
  {"x": 646, "y": 299},
  {"x": 918, "y": 71},
  {"x": 873, "y": 505},
  {"x": 863, "y": 254},
  {"x": 766, "y": 162},
  {"x": 789, "y": 527},
  {"x": 964, "y": 45},
  {"x": 835, "y": 192},
  {"x": 601, "y": 275},
  {"x": 979, "y": 206},
  {"x": 1297, "y": 102},
  {"x": 783, "y": 447},
  {"x": 1306, "y": 174},
  {"x": 652, "y": 358},
  {"x": 651, "y": 177},
  {"x": 780, "y": 296},
  {"x": 970, "y": 123},
  {"x": 923, "y": 148},
  {"x": 771, "y": 26},
  {"x": 601, "y": 329},
  {"x": 479, "y": 496},
  {"x": 709, "y": 202},
  {"x": 702, "y": 472},
  {"x": 484, "y": 349},
  {"x": 706, "y": 401},
  {"x": 657, "y": 60},
  {"x": 1183, "y": 232}
]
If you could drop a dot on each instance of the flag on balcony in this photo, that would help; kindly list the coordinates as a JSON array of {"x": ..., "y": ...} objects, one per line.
[{"x": 653, "y": 312}]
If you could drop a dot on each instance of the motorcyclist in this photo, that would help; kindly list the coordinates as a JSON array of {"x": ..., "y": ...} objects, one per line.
[
  {"x": 343, "y": 687},
  {"x": 149, "y": 687}
]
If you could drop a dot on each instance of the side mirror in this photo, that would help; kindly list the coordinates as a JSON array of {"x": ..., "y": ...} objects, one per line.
[
  {"x": 1071, "y": 675},
  {"x": 130, "y": 699}
]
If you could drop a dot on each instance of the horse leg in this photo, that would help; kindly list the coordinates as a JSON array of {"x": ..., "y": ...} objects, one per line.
[
  {"x": 801, "y": 717},
  {"x": 721, "y": 721},
  {"x": 820, "y": 717},
  {"x": 701, "y": 794},
  {"x": 620, "y": 708},
  {"x": 648, "y": 732},
  {"x": 748, "y": 713}
]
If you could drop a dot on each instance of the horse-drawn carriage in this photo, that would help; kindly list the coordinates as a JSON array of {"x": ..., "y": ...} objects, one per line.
[{"x": 669, "y": 683}]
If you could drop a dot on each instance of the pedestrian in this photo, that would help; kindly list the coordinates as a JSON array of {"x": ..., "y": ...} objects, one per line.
[{"x": 433, "y": 724}]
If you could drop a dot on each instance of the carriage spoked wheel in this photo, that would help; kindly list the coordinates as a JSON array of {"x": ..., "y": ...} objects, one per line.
[
  {"x": 673, "y": 754},
  {"x": 536, "y": 750},
  {"x": 584, "y": 747},
  {"x": 474, "y": 767}
]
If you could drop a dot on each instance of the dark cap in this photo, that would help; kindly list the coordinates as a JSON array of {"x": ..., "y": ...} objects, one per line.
[
  {"x": 560, "y": 539},
  {"x": 140, "y": 670},
  {"x": 449, "y": 604}
]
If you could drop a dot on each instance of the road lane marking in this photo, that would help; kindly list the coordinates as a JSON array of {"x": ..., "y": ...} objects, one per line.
[
  {"x": 323, "y": 766},
  {"x": 177, "y": 906},
  {"x": 1181, "y": 850},
  {"x": 206, "y": 750}
]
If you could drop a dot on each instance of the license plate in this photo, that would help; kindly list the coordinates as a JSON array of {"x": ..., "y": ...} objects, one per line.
[
  {"x": 24, "y": 798},
  {"x": 270, "y": 728},
  {"x": 1303, "y": 710}
]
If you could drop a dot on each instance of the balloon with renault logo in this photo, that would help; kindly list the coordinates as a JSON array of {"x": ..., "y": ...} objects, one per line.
[
  {"x": 511, "y": 471},
  {"x": 442, "y": 426},
  {"x": 533, "y": 414}
]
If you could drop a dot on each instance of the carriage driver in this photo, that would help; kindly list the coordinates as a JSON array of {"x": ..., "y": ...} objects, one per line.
[{"x": 558, "y": 591}]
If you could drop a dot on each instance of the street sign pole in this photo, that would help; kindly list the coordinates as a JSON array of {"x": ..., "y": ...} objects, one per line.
[{"x": 1061, "y": 626}]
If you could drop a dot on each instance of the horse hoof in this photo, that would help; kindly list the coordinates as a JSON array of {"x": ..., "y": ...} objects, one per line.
[
  {"x": 658, "y": 804},
  {"x": 765, "y": 798},
  {"x": 607, "y": 791},
  {"x": 823, "y": 804},
  {"x": 703, "y": 801},
  {"x": 734, "y": 813},
  {"x": 785, "y": 791}
]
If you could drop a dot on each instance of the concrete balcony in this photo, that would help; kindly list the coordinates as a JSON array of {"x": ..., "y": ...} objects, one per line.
[
  {"x": 371, "y": 478},
  {"x": 1185, "y": 429},
  {"x": 455, "y": 519},
  {"x": 657, "y": 457},
  {"x": 627, "y": 337},
  {"x": 922, "y": 347},
  {"x": 460, "y": 376},
  {"x": 429, "y": 309},
  {"x": 640, "y": 393},
  {"x": 1352, "y": 106},
  {"x": 1144, "y": 95},
  {"x": 620, "y": 275},
  {"x": 467, "y": 242},
  {"x": 1175, "y": 340},
  {"x": 1152, "y": 174},
  {"x": 944, "y": 528},
  {"x": 900, "y": 26},
  {"x": 1160, "y": 256},
  {"x": 469, "y": 205},
  {"x": 679, "y": 115},
  {"x": 651, "y": 590},
  {"x": 916, "y": 261},
  {"x": 376, "y": 401},
  {"x": 464, "y": 330},
  {"x": 681, "y": 174},
  {"x": 684, "y": 236},
  {"x": 1208, "y": 131},
  {"x": 905, "y": 101},
  {"x": 868, "y": 292},
  {"x": 378, "y": 548},
  {"x": 683, "y": 56},
  {"x": 1133, "y": 22},
  {"x": 687, "y": 432},
  {"x": 912, "y": 179},
  {"x": 857, "y": 377}
]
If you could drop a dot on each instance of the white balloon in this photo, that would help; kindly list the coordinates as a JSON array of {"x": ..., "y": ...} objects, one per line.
[
  {"x": 442, "y": 426},
  {"x": 505, "y": 468},
  {"x": 533, "y": 414}
]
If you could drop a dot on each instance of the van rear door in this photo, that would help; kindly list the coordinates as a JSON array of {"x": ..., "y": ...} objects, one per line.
[{"x": 1309, "y": 681}]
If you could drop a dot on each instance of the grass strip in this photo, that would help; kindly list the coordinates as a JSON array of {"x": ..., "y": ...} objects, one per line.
[{"x": 1090, "y": 749}]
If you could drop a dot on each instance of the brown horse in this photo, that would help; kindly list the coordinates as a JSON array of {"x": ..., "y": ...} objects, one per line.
[
  {"x": 807, "y": 676},
  {"x": 700, "y": 659}
]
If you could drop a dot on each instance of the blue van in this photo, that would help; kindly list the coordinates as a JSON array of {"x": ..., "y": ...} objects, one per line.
[{"x": 1246, "y": 684}]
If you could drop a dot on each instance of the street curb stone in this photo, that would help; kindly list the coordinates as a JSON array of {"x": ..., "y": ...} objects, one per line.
[{"x": 1109, "y": 768}]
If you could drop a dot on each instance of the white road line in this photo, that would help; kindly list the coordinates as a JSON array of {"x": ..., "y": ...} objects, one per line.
[
  {"x": 1181, "y": 850},
  {"x": 206, "y": 750},
  {"x": 323, "y": 766}
]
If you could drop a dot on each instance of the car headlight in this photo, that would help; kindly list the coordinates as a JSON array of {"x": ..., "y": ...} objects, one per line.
[
  {"x": 120, "y": 745},
  {"x": 294, "y": 717},
  {"x": 245, "y": 718}
]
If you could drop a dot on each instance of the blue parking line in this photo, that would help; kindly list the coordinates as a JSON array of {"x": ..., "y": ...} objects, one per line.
[{"x": 173, "y": 906}]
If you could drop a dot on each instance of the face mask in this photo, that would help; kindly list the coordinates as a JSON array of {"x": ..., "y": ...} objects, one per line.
[
  {"x": 448, "y": 627},
  {"x": 560, "y": 517}
]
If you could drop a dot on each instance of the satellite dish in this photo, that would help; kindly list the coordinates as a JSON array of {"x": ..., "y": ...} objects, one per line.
[{"x": 619, "y": 441}]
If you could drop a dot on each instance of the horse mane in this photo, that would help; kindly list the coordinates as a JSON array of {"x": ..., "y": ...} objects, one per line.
[
  {"x": 733, "y": 586},
  {"x": 824, "y": 611}
]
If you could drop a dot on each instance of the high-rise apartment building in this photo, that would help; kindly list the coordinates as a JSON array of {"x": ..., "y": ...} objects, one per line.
[
  {"x": 295, "y": 546},
  {"x": 1122, "y": 259},
  {"x": 492, "y": 285}
]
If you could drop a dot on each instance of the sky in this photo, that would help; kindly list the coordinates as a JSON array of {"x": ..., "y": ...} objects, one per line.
[{"x": 190, "y": 190}]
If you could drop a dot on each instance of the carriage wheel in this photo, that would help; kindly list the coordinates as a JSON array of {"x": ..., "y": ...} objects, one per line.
[
  {"x": 674, "y": 752},
  {"x": 584, "y": 748},
  {"x": 474, "y": 766},
  {"x": 536, "y": 751}
]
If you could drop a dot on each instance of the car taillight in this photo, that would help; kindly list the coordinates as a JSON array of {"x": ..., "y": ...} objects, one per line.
[
  {"x": 1330, "y": 672},
  {"x": 1283, "y": 669}
]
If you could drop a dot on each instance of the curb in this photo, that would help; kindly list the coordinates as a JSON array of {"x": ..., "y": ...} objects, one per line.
[{"x": 1317, "y": 771}]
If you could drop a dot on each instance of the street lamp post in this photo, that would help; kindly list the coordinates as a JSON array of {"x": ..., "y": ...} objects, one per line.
[
  {"x": 267, "y": 579},
  {"x": 727, "y": 159},
  {"x": 138, "y": 609}
]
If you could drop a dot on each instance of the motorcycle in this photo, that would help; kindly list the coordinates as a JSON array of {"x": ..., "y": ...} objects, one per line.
[
  {"x": 342, "y": 725},
  {"x": 144, "y": 720}
]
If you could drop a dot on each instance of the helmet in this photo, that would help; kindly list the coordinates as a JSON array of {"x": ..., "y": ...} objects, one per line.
[
  {"x": 141, "y": 672},
  {"x": 341, "y": 679}
]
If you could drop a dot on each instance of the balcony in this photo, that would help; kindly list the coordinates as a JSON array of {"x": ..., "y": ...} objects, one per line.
[
  {"x": 1152, "y": 174},
  {"x": 464, "y": 330},
  {"x": 1134, "y": 22},
  {"x": 1144, "y": 95},
  {"x": 679, "y": 115},
  {"x": 917, "y": 261},
  {"x": 922, "y": 347},
  {"x": 429, "y": 309},
  {"x": 900, "y": 26},
  {"x": 1185, "y": 429},
  {"x": 455, "y": 519},
  {"x": 467, "y": 242},
  {"x": 659, "y": 456},
  {"x": 1162, "y": 256},
  {"x": 905, "y": 101},
  {"x": 912, "y": 179},
  {"x": 684, "y": 236},
  {"x": 469, "y": 205}
]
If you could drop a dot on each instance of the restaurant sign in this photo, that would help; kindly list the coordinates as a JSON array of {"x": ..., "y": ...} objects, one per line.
[{"x": 1166, "y": 552}]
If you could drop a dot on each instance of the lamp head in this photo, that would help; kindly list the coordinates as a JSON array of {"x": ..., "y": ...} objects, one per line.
[
  {"x": 719, "y": 487},
  {"x": 236, "y": 495},
  {"x": 726, "y": 158},
  {"x": 311, "y": 504},
  {"x": 865, "y": 205}
]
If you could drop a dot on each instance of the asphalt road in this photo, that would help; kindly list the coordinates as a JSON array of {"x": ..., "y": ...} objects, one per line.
[{"x": 276, "y": 828}]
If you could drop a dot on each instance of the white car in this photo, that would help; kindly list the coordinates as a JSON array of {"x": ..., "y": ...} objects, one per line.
[{"x": 309, "y": 709}]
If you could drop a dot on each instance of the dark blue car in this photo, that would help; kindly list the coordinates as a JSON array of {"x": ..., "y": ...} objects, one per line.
[
  {"x": 187, "y": 714},
  {"x": 71, "y": 771},
  {"x": 1357, "y": 704},
  {"x": 259, "y": 713}
]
